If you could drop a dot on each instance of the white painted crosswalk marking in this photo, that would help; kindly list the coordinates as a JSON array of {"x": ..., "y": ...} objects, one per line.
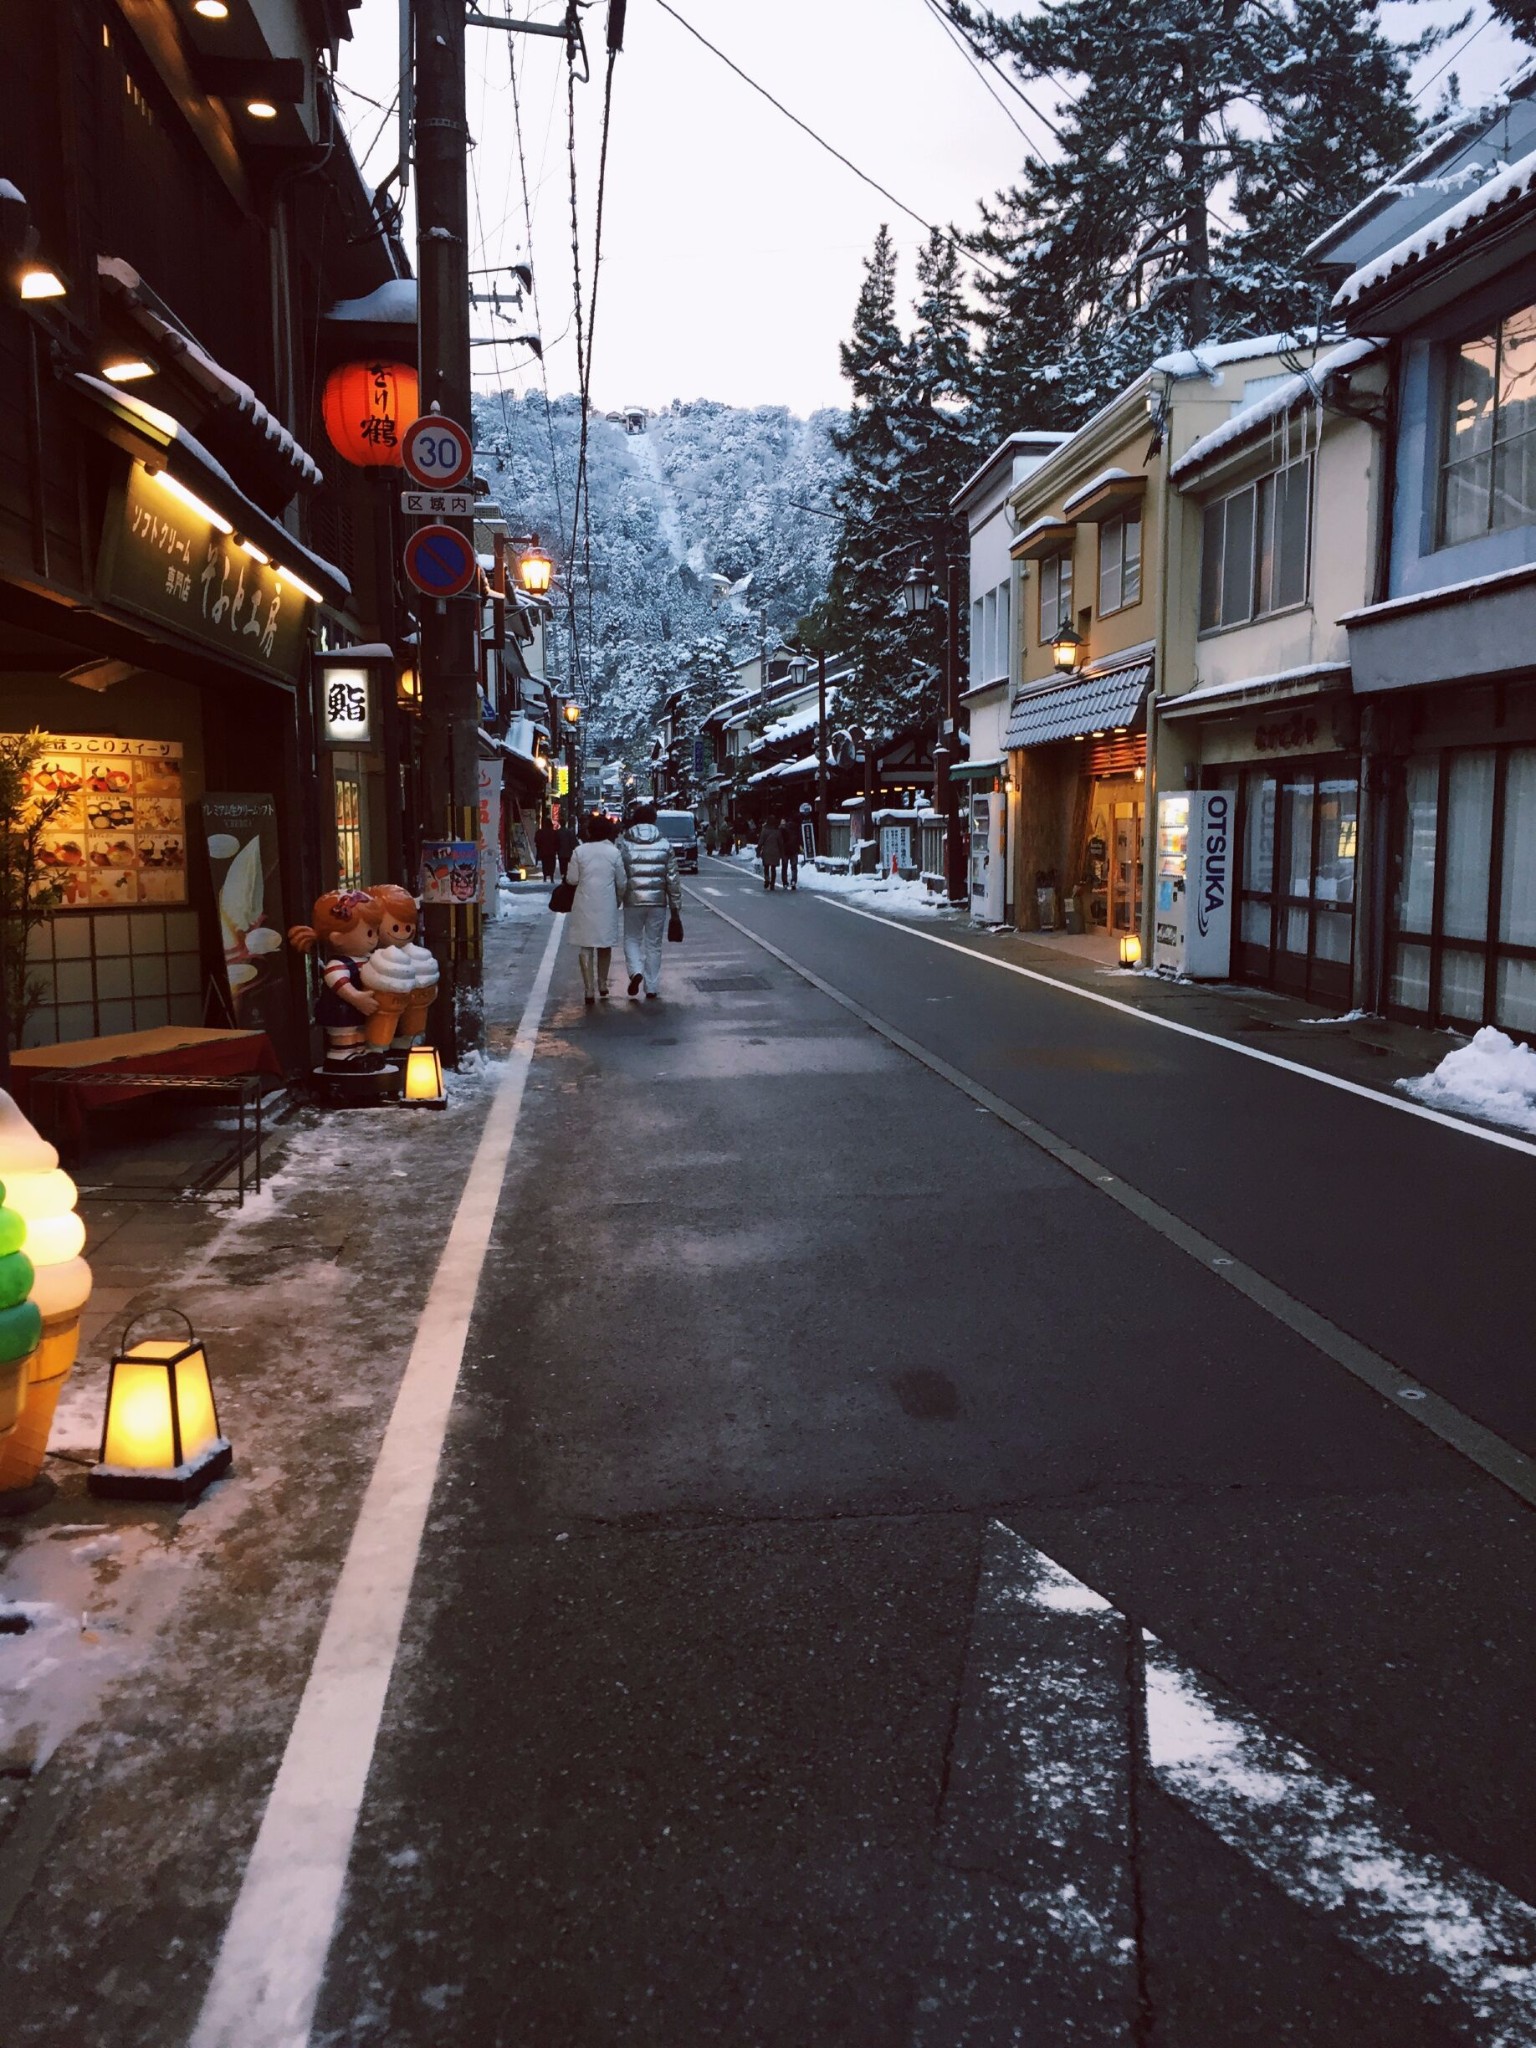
[{"x": 1069, "y": 1713}]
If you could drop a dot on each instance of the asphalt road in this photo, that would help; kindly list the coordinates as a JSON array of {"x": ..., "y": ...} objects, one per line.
[{"x": 735, "y": 1703}]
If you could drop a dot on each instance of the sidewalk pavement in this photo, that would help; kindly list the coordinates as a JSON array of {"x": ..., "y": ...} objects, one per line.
[{"x": 144, "y": 1708}]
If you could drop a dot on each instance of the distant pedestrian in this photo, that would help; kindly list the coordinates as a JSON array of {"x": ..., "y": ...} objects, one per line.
[
  {"x": 595, "y": 923},
  {"x": 770, "y": 850},
  {"x": 546, "y": 844},
  {"x": 654, "y": 894},
  {"x": 789, "y": 865},
  {"x": 566, "y": 843}
]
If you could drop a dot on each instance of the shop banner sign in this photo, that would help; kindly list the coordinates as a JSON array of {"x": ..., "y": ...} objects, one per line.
[
  {"x": 163, "y": 560},
  {"x": 346, "y": 706},
  {"x": 245, "y": 864},
  {"x": 450, "y": 871},
  {"x": 489, "y": 810},
  {"x": 118, "y": 838}
]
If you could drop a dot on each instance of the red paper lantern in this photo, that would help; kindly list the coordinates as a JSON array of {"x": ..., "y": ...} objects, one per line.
[{"x": 367, "y": 408}]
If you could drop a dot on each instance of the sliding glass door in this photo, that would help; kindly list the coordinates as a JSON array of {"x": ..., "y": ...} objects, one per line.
[{"x": 1298, "y": 828}]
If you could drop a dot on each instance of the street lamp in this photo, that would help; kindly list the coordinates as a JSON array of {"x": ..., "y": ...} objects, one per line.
[
  {"x": 917, "y": 590},
  {"x": 535, "y": 570},
  {"x": 1067, "y": 648},
  {"x": 572, "y": 714},
  {"x": 799, "y": 671}
]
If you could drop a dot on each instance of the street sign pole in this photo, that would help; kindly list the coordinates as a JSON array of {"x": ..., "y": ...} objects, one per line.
[{"x": 449, "y": 682}]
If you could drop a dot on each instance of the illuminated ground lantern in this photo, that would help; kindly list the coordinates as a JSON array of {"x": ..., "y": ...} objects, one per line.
[
  {"x": 160, "y": 1439},
  {"x": 424, "y": 1078}
]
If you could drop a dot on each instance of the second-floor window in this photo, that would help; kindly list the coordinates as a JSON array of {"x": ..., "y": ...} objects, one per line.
[
  {"x": 1119, "y": 563},
  {"x": 1488, "y": 472},
  {"x": 1055, "y": 596},
  {"x": 1254, "y": 558}
]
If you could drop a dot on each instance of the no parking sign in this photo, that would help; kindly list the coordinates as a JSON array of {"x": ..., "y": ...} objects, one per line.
[{"x": 440, "y": 561}]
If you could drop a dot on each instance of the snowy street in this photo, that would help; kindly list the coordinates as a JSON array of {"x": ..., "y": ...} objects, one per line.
[{"x": 878, "y": 1586}]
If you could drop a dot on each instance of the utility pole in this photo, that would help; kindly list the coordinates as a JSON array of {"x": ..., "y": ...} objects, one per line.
[
  {"x": 450, "y": 682},
  {"x": 821, "y": 750},
  {"x": 946, "y": 792}
]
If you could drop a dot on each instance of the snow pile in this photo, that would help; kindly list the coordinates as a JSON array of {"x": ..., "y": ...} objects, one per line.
[
  {"x": 888, "y": 894},
  {"x": 1492, "y": 1077}
]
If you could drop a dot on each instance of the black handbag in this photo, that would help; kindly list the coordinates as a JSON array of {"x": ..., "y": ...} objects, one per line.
[
  {"x": 675, "y": 929},
  {"x": 563, "y": 896}
]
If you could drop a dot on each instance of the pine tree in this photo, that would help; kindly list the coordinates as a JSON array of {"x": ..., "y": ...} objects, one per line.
[
  {"x": 874, "y": 538},
  {"x": 1208, "y": 141}
]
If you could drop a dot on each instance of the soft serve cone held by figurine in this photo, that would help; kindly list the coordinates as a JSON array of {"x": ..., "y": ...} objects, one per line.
[
  {"x": 345, "y": 933},
  {"x": 387, "y": 975},
  {"x": 397, "y": 932},
  {"x": 52, "y": 1241}
]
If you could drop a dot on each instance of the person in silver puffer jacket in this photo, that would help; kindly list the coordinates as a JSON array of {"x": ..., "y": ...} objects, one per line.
[{"x": 654, "y": 890}]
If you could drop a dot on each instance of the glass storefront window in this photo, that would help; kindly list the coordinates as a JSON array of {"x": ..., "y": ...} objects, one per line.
[
  {"x": 1450, "y": 808},
  {"x": 1295, "y": 919},
  {"x": 349, "y": 829}
]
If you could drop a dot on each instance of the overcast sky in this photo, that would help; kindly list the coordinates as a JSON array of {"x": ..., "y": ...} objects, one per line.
[{"x": 731, "y": 243}]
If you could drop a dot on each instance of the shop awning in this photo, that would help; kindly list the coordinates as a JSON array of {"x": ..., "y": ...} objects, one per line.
[
  {"x": 976, "y": 771},
  {"x": 161, "y": 442},
  {"x": 1079, "y": 709},
  {"x": 525, "y": 773}
]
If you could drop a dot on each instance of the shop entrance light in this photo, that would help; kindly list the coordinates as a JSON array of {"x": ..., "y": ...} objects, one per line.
[
  {"x": 160, "y": 1439},
  {"x": 917, "y": 591},
  {"x": 1067, "y": 648},
  {"x": 261, "y": 110},
  {"x": 211, "y": 10},
  {"x": 424, "y": 1078},
  {"x": 39, "y": 282},
  {"x": 127, "y": 369}
]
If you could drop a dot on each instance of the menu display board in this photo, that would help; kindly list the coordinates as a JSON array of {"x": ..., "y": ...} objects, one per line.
[{"x": 119, "y": 838}]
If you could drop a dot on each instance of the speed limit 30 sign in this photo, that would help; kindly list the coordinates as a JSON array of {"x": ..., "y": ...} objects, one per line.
[{"x": 437, "y": 452}]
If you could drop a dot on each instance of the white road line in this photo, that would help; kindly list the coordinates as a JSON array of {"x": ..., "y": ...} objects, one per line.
[
  {"x": 1473, "y": 1439},
  {"x": 274, "y": 1951},
  {"x": 1247, "y": 1052},
  {"x": 1033, "y": 1904},
  {"x": 1337, "y": 1850}
]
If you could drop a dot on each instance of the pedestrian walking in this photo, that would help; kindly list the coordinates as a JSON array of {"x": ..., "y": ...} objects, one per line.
[
  {"x": 595, "y": 922},
  {"x": 653, "y": 896},
  {"x": 770, "y": 850},
  {"x": 789, "y": 866},
  {"x": 566, "y": 843},
  {"x": 546, "y": 844}
]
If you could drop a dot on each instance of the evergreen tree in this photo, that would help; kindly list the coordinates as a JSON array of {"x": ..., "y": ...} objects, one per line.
[
  {"x": 909, "y": 444},
  {"x": 1209, "y": 140}
]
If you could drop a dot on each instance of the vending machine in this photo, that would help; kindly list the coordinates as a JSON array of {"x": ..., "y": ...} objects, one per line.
[
  {"x": 989, "y": 818},
  {"x": 1192, "y": 925}
]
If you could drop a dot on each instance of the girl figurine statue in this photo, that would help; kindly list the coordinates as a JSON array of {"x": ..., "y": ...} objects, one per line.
[{"x": 346, "y": 931}]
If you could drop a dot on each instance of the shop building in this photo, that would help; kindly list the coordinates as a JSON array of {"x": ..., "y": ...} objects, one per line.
[
  {"x": 169, "y": 565},
  {"x": 1103, "y": 548},
  {"x": 992, "y": 671},
  {"x": 1287, "y": 496},
  {"x": 1444, "y": 659}
]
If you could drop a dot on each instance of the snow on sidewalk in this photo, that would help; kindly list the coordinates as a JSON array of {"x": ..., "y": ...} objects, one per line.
[
  {"x": 886, "y": 893},
  {"x": 1492, "y": 1077}
]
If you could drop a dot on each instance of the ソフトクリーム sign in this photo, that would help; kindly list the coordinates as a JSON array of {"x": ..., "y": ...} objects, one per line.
[{"x": 161, "y": 559}]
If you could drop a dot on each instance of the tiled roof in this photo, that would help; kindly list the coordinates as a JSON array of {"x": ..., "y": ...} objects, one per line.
[{"x": 1087, "y": 704}]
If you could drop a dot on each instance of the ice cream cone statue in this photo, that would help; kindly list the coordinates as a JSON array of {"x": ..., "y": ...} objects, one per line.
[
  {"x": 397, "y": 932},
  {"x": 52, "y": 1241},
  {"x": 21, "y": 1327},
  {"x": 387, "y": 977},
  {"x": 346, "y": 933}
]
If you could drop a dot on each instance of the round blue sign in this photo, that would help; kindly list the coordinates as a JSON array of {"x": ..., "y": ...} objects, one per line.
[{"x": 440, "y": 561}]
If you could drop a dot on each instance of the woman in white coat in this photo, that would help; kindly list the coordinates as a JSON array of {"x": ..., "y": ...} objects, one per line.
[{"x": 595, "y": 921}]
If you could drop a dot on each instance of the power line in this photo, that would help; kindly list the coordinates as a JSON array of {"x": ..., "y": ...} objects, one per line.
[
  {"x": 981, "y": 56},
  {"x": 1486, "y": 22},
  {"x": 804, "y": 126},
  {"x": 1007, "y": 112}
]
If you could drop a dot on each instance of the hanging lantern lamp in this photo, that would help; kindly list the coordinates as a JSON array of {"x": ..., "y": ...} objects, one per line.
[{"x": 367, "y": 408}]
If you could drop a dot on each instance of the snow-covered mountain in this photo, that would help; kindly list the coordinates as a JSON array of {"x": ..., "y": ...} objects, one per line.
[{"x": 705, "y": 490}]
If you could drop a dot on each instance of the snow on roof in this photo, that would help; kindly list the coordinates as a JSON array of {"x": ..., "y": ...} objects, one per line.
[
  {"x": 1517, "y": 182},
  {"x": 1105, "y": 480},
  {"x": 794, "y": 722},
  {"x": 222, "y": 385},
  {"x": 392, "y": 304},
  {"x": 1211, "y": 355},
  {"x": 1273, "y": 405},
  {"x": 1034, "y": 440}
]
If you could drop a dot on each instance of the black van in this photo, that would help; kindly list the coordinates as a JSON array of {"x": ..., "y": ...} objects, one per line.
[{"x": 682, "y": 829}]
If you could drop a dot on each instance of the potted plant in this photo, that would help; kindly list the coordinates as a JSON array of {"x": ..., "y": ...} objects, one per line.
[{"x": 27, "y": 892}]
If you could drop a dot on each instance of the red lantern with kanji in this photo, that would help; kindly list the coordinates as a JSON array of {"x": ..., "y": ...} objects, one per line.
[{"x": 367, "y": 408}]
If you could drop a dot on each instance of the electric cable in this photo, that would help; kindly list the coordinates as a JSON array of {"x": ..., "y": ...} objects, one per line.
[
  {"x": 980, "y": 57},
  {"x": 1486, "y": 22}
]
